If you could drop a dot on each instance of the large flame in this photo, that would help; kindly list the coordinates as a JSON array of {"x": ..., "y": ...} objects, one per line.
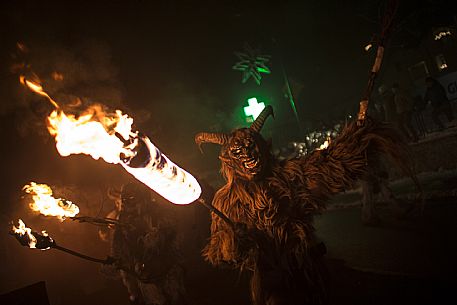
[
  {"x": 92, "y": 133},
  {"x": 165, "y": 177},
  {"x": 28, "y": 238},
  {"x": 109, "y": 136},
  {"x": 46, "y": 204}
]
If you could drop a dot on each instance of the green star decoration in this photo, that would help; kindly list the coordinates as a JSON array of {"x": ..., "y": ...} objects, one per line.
[{"x": 252, "y": 64}]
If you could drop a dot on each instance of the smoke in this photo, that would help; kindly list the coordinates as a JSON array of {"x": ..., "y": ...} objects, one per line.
[
  {"x": 75, "y": 77},
  {"x": 182, "y": 110},
  {"x": 170, "y": 113}
]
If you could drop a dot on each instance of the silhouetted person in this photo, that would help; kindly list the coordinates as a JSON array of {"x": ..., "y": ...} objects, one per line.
[
  {"x": 404, "y": 107},
  {"x": 388, "y": 104},
  {"x": 436, "y": 95},
  {"x": 419, "y": 106},
  {"x": 146, "y": 250},
  {"x": 375, "y": 185}
]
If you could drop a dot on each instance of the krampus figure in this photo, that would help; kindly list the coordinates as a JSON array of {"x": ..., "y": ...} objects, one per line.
[{"x": 272, "y": 204}]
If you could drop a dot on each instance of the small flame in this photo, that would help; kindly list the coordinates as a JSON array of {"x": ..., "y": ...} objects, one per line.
[
  {"x": 25, "y": 233},
  {"x": 22, "y": 47},
  {"x": 31, "y": 239},
  {"x": 47, "y": 205},
  {"x": 37, "y": 88},
  {"x": 57, "y": 76}
]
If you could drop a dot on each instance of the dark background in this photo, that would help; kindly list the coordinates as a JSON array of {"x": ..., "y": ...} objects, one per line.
[{"x": 168, "y": 64}]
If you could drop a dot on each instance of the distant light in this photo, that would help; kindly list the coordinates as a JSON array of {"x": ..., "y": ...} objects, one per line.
[
  {"x": 254, "y": 108},
  {"x": 368, "y": 47},
  {"x": 441, "y": 62},
  {"x": 442, "y": 34},
  {"x": 325, "y": 144}
]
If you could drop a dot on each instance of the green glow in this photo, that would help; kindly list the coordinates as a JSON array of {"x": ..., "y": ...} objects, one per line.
[{"x": 254, "y": 108}]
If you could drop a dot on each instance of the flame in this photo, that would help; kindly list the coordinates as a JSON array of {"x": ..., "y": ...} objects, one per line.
[
  {"x": 92, "y": 133},
  {"x": 57, "y": 76},
  {"x": 163, "y": 176},
  {"x": 109, "y": 136},
  {"x": 99, "y": 135},
  {"x": 27, "y": 238},
  {"x": 26, "y": 233},
  {"x": 37, "y": 88},
  {"x": 46, "y": 204},
  {"x": 22, "y": 47}
]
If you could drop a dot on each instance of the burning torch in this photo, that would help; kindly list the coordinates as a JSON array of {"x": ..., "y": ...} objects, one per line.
[
  {"x": 34, "y": 240},
  {"x": 110, "y": 136},
  {"x": 44, "y": 202}
]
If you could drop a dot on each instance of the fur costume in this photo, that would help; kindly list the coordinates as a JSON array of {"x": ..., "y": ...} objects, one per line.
[
  {"x": 147, "y": 251},
  {"x": 272, "y": 204}
]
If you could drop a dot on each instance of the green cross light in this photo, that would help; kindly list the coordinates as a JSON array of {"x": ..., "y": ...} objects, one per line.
[{"x": 254, "y": 108}]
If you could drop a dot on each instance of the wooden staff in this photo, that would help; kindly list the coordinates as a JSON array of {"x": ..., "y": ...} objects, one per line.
[
  {"x": 106, "y": 261},
  {"x": 385, "y": 31},
  {"x": 106, "y": 221}
]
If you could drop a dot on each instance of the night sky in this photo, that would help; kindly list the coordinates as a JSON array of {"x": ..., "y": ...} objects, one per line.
[{"x": 169, "y": 59}]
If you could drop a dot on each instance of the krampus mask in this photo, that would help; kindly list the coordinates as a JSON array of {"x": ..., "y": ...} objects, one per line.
[{"x": 245, "y": 154}]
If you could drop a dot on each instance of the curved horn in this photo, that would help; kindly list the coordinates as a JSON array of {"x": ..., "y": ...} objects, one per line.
[
  {"x": 260, "y": 120},
  {"x": 207, "y": 137}
]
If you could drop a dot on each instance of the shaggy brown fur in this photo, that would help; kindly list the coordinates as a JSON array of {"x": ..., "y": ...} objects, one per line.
[{"x": 278, "y": 210}]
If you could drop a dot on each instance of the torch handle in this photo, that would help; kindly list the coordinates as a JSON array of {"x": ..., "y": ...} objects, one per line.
[
  {"x": 98, "y": 221},
  {"x": 83, "y": 256},
  {"x": 217, "y": 212}
]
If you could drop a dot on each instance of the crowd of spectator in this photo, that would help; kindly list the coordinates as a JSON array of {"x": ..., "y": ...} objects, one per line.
[{"x": 393, "y": 105}]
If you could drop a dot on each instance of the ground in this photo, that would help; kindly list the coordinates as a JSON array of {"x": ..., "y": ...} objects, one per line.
[{"x": 408, "y": 261}]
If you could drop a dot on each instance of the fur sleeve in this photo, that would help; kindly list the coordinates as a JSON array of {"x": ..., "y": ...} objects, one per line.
[
  {"x": 221, "y": 247},
  {"x": 337, "y": 168}
]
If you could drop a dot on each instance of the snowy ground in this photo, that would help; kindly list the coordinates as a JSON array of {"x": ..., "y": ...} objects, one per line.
[{"x": 434, "y": 185}]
